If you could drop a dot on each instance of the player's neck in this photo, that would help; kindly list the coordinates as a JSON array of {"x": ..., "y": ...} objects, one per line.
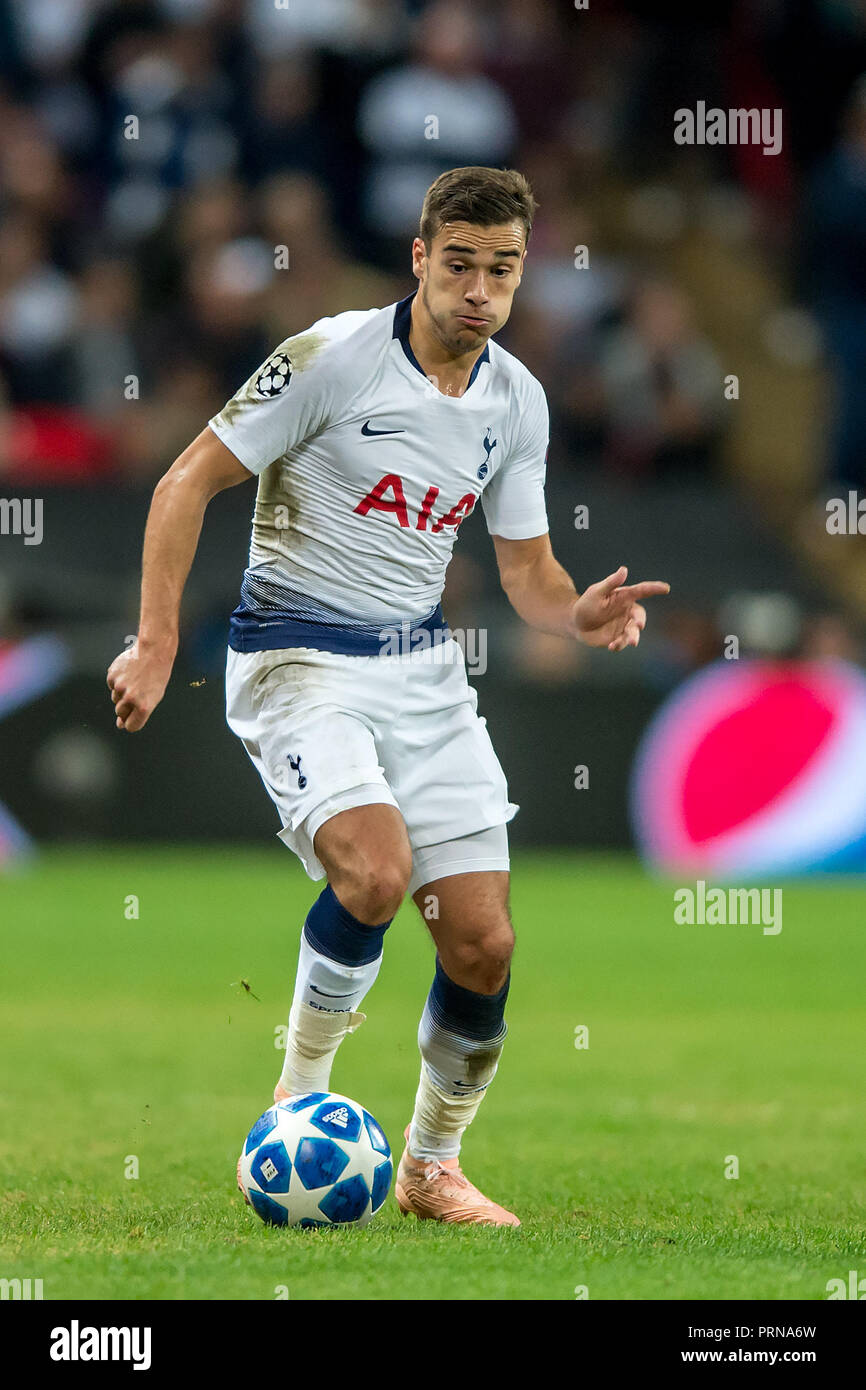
[{"x": 450, "y": 374}]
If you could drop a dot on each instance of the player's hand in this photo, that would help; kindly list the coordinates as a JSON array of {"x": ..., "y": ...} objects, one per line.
[
  {"x": 137, "y": 682},
  {"x": 609, "y": 614}
]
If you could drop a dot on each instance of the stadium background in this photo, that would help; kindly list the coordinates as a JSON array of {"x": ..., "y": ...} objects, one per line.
[{"x": 138, "y": 288}]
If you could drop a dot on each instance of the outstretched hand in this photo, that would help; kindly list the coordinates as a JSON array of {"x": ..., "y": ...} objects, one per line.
[{"x": 610, "y": 614}]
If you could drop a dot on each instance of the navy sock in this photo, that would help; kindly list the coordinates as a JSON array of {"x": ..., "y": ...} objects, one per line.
[
  {"x": 332, "y": 931},
  {"x": 458, "y": 1010}
]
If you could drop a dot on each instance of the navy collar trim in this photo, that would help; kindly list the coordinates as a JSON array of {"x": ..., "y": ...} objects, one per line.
[{"x": 402, "y": 325}]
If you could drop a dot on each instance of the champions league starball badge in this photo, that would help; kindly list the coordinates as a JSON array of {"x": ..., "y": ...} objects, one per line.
[{"x": 274, "y": 376}]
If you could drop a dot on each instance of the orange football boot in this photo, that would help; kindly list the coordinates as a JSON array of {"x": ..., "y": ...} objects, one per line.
[{"x": 436, "y": 1190}]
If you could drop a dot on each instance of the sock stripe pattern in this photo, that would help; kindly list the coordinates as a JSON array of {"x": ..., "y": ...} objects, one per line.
[
  {"x": 456, "y": 1009},
  {"x": 461, "y": 1034},
  {"x": 332, "y": 931}
]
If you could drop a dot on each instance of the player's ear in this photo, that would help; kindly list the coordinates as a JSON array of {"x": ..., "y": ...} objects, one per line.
[{"x": 419, "y": 252}]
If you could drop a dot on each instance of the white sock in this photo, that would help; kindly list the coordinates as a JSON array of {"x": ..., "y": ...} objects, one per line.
[
  {"x": 455, "y": 1074},
  {"x": 324, "y": 1010}
]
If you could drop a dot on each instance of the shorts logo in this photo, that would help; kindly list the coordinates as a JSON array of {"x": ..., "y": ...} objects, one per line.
[
  {"x": 274, "y": 376},
  {"x": 295, "y": 765}
]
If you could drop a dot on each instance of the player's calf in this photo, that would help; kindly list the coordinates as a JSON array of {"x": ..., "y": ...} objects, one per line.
[
  {"x": 461, "y": 1036},
  {"x": 367, "y": 857}
]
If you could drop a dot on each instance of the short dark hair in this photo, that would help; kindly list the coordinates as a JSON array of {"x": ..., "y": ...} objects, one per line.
[{"x": 476, "y": 194}]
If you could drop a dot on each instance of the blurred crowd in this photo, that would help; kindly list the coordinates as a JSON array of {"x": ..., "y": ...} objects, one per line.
[{"x": 184, "y": 183}]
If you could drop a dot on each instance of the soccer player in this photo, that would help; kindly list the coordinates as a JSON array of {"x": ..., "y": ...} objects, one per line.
[{"x": 373, "y": 435}]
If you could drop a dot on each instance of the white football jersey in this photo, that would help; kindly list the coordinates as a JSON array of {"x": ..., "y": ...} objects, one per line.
[{"x": 366, "y": 471}]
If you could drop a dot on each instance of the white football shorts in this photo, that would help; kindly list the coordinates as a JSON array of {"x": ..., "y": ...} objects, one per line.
[{"x": 328, "y": 732}]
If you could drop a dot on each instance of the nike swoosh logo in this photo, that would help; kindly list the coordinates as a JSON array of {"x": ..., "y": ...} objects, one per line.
[
  {"x": 365, "y": 429},
  {"x": 329, "y": 996}
]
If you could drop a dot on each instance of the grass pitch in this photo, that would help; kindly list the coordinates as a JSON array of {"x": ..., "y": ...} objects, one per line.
[{"x": 131, "y": 1038}]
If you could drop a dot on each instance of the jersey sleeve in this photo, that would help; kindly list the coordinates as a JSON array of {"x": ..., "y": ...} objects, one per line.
[
  {"x": 288, "y": 399},
  {"x": 513, "y": 500}
]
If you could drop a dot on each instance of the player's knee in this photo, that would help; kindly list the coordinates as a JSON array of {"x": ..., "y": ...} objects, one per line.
[
  {"x": 384, "y": 888},
  {"x": 376, "y": 887},
  {"x": 482, "y": 960}
]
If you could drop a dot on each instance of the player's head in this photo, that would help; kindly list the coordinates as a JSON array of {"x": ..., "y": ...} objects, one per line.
[{"x": 475, "y": 226}]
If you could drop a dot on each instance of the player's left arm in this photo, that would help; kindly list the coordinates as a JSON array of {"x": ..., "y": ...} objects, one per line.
[{"x": 607, "y": 614}]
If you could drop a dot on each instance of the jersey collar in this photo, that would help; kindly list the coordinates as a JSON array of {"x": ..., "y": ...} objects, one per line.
[{"x": 402, "y": 324}]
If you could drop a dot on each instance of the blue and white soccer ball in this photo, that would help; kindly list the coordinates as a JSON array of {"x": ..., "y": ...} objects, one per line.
[{"x": 318, "y": 1159}]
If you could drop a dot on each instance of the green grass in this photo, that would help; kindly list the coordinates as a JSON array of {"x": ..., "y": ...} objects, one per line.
[{"x": 127, "y": 1037}]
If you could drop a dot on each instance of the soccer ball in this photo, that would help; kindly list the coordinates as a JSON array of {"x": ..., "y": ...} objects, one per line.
[
  {"x": 274, "y": 376},
  {"x": 318, "y": 1159}
]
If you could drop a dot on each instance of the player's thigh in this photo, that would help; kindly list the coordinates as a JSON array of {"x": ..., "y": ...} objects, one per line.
[
  {"x": 438, "y": 756},
  {"x": 316, "y": 754}
]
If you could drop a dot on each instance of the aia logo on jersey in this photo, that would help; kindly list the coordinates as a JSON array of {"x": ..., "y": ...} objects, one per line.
[{"x": 378, "y": 500}]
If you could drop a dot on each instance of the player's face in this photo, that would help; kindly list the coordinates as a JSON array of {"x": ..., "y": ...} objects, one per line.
[{"x": 468, "y": 280}]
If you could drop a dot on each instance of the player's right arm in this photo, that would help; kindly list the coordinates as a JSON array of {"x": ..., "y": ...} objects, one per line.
[
  {"x": 137, "y": 678},
  {"x": 287, "y": 399}
]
